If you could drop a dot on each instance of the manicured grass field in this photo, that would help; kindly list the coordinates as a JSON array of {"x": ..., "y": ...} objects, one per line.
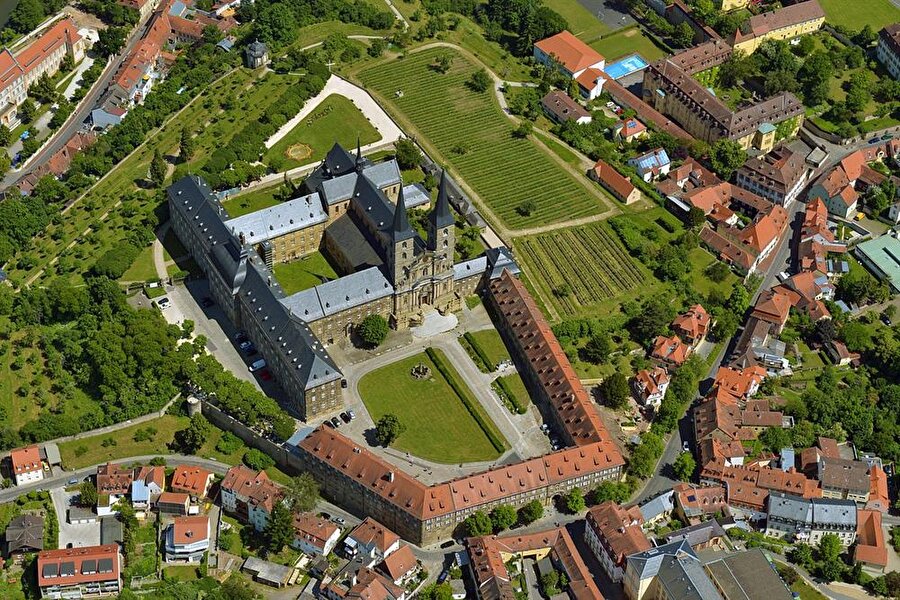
[
  {"x": 438, "y": 426},
  {"x": 470, "y": 132},
  {"x": 855, "y": 14},
  {"x": 492, "y": 344},
  {"x": 335, "y": 119},
  {"x": 580, "y": 268},
  {"x": 581, "y": 22},
  {"x": 626, "y": 42},
  {"x": 304, "y": 273},
  {"x": 258, "y": 199},
  {"x": 143, "y": 268},
  {"x": 517, "y": 387}
]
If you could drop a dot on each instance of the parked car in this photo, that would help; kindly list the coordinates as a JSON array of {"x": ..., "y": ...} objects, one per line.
[
  {"x": 265, "y": 375},
  {"x": 336, "y": 422},
  {"x": 163, "y": 303},
  {"x": 339, "y": 520},
  {"x": 245, "y": 345},
  {"x": 344, "y": 383},
  {"x": 783, "y": 276},
  {"x": 684, "y": 446},
  {"x": 345, "y": 417},
  {"x": 443, "y": 576},
  {"x": 351, "y": 414},
  {"x": 206, "y": 302},
  {"x": 240, "y": 336},
  {"x": 257, "y": 365}
]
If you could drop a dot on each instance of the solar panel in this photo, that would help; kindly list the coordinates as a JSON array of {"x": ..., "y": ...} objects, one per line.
[
  {"x": 67, "y": 569},
  {"x": 105, "y": 565},
  {"x": 88, "y": 566},
  {"x": 50, "y": 570}
]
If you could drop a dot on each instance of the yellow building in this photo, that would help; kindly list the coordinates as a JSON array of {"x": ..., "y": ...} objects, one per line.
[{"x": 784, "y": 24}]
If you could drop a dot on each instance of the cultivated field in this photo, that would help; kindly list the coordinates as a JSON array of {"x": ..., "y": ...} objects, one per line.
[
  {"x": 438, "y": 425},
  {"x": 469, "y": 131},
  {"x": 580, "y": 267}
]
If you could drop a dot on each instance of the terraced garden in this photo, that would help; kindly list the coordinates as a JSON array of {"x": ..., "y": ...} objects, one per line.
[
  {"x": 522, "y": 184},
  {"x": 581, "y": 267}
]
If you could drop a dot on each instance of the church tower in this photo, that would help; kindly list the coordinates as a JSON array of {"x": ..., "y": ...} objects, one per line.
[
  {"x": 402, "y": 245},
  {"x": 441, "y": 247},
  {"x": 360, "y": 163}
]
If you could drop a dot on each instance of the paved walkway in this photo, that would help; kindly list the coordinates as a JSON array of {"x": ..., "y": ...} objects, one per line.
[
  {"x": 379, "y": 119},
  {"x": 85, "y": 64}
]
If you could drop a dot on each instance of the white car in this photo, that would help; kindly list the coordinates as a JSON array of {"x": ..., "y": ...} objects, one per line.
[
  {"x": 783, "y": 276},
  {"x": 259, "y": 364},
  {"x": 163, "y": 303}
]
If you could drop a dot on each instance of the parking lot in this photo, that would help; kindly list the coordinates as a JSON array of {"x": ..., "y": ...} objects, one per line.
[{"x": 76, "y": 535}]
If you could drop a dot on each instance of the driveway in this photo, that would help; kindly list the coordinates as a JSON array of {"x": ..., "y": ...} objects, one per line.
[{"x": 78, "y": 535}]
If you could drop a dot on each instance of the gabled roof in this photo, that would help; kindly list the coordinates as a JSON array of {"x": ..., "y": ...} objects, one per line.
[
  {"x": 670, "y": 349},
  {"x": 80, "y": 565},
  {"x": 372, "y": 533},
  {"x": 191, "y": 480},
  {"x": 870, "y": 545},
  {"x": 619, "y": 530},
  {"x": 26, "y": 460},
  {"x": 190, "y": 530},
  {"x": 399, "y": 563},
  {"x": 114, "y": 479},
  {"x": 613, "y": 179},
  {"x": 694, "y": 323},
  {"x": 569, "y": 51}
]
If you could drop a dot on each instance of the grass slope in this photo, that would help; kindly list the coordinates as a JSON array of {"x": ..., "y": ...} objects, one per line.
[
  {"x": 336, "y": 119},
  {"x": 469, "y": 131},
  {"x": 581, "y": 22},
  {"x": 253, "y": 201},
  {"x": 438, "y": 426}
]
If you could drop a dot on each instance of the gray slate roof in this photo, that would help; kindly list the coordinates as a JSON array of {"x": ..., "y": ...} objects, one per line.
[
  {"x": 470, "y": 268},
  {"x": 25, "y": 532},
  {"x": 660, "y": 505},
  {"x": 499, "y": 259},
  {"x": 684, "y": 578},
  {"x": 278, "y": 220},
  {"x": 649, "y": 561},
  {"x": 415, "y": 195},
  {"x": 700, "y": 533},
  {"x": 338, "y": 295},
  {"x": 817, "y": 513}
]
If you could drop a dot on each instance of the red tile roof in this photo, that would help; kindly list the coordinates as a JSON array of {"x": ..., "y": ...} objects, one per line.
[
  {"x": 314, "y": 529},
  {"x": 670, "y": 350},
  {"x": 399, "y": 563},
  {"x": 150, "y": 475},
  {"x": 191, "y": 480},
  {"x": 188, "y": 530},
  {"x": 870, "y": 546},
  {"x": 879, "y": 499},
  {"x": 370, "y": 532},
  {"x": 570, "y": 52},
  {"x": 619, "y": 530},
  {"x": 241, "y": 480},
  {"x": 651, "y": 380},
  {"x": 85, "y": 561},
  {"x": 614, "y": 180},
  {"x": 739, "y": 382},
  {"x": 694, "y": 324},
  {"x": 114, "y": 479},
  {"x": 26, "y": 460}
]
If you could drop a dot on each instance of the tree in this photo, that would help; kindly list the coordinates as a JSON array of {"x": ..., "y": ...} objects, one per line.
[
  {"x": 437, "y": 591},
  {"x": 5, "y": 135},
  {"x": 726, "y": 156},
  {"x": 478, "y": 523},
  {"x": 302, "y": 494},
  {"x": 696, "y": 217},
  {"x": 257, "y": 459},
  {"x": 611, "y": 491},
  {"x": 443, "y": 62},
  {"x": 531, "y": 512},
  {"x": 574, "y": 501},
  {"x": 614, "y": 390},
  {"x": 503, "y": 516},
  {"x": 192, "y": 437},
  {"x": 597, "y": 348},
  {"x": 829, "y": 547},
  {"x": 865, "y": 36},
  {"x": 185, "y": 146},
  {"x": 377, "y": 48},
  {"x": 684, "y": 34},
  {"x": 157, "y": 169},
  {"x": 801, "y": 555},
  {"x": 88, "y": 494},
  {"x": 27, "y": 111},
  {"x": 718, "y": 271},
  {"x": 407, "y": 154},
  {"x": 480, "y": 81},
  {"x": 388, "y": 428},
  {"x": 775, "y": 438},
  {"x": 279, "y": 529},
  {"x": 553, "y": 582},
  {"x": 684, "y": 466},
  {"x": 859, "y": 92},
  {"x": 110, "y": 41},
  {"x": 372, "y": 330},
  {"x": 523, "y": 130}
]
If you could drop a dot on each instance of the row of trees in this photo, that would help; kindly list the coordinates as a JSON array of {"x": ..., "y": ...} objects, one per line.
[{"x": 501, "y": 518}]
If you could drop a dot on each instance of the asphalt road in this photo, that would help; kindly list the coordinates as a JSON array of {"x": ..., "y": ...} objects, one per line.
[{"x": 81, "y": 112}]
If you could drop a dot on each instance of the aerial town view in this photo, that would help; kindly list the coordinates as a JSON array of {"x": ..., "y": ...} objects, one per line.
[{"x": 449, "y": 299}]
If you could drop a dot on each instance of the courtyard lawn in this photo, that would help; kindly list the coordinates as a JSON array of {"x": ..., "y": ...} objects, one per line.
[
  {"x": 438, "y": 425},
  {"x": 517, "y": 387},
  {"x": 336, "y": 119},
  {"x": 877, "y": 13},
  {"x": 700, "y": 259},
  {"x": 490, "y": 342},
  {"x": 252, "y": 201},
  {"x": 143, "y": 268},
  {"x": 522, "y": 184},
  {"x": 304, "y": 273},
  {"x": 581, "y": 21},
  {"x": 626, "y": 42}
]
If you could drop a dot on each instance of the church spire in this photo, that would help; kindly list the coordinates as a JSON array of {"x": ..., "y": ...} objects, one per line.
[
  {"x": 359, "y": 157},
  {"x": 401, "y": 230},
  {"x": 440, "y": 215}
]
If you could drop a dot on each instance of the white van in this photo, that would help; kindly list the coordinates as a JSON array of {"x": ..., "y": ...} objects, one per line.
[{"x": 259, "y": 364}]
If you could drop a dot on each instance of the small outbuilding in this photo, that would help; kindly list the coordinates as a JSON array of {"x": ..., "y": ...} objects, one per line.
[{"x": 256, "y": 54}]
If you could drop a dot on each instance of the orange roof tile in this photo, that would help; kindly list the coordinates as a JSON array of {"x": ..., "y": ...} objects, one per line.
[
  {"x": 188, "y": 530},
  {"x": 191, "y": 480},
  {"x": 26, "y": 460},
  {"x": 569, "y": 51},
  {"x": 613, "y": 179},
  {"x": 399, "y": 563},
  {"x": 870, "y": 545},
  {"x": 83, "y": 573},
  {"x": 619, "y": 530}
]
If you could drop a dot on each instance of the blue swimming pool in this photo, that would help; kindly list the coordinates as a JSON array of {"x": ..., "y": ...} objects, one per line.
[{"x": 626, "y": 66}]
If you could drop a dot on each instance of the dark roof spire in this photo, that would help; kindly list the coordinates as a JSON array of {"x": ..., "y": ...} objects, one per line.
[
  {"x": 359, "y": 157},
  {"x": 401, "y": 229},
  {"x": 441, "y": 216}
]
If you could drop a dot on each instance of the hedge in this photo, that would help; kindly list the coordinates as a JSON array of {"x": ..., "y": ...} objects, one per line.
[
  {"x": 494, "y": 436},
  {"x": 479, "y": 356},
  {"x": 509, "y": 397}
]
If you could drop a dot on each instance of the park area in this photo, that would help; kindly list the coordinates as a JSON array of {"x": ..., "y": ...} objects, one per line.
[
  {"x": 857, "y": 13},
  {"x": 627, "y": 41},
  {"x": 304, "y": 273},
  {"x": 335, "y": 119},
  {"x": 581, "y": 269},
  {"x": 440, "y": 425},
  {"x": 521, "y": 183}
]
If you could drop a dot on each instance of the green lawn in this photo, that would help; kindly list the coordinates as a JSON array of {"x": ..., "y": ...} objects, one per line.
[
  {"x": 335, "y": 119},
  {"x": 700, "y": 259},
  {"x": 582, "y": 22},
  {"x": 626, "y": 42},
  {"x": 492, "y": 345},
  {"x": 806, "y": 591},
  {"x": 438, "y": 426},
  {"x": 143, "y": 268},
  {"x": 561, "y": 150},
  {"x": 521, "y": 183},
  {"x": 517, "y": 387},
  {"x": 304, "y": 273},
  {"x": 877, "y": 13},
  {"x": 253, "y": 201},
  {"x": 182, "y": 572}
]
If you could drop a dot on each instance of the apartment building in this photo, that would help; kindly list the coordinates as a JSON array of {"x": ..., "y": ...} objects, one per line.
[
  {"x": 782, "y": 24},
  {"x": 777, "y": 176},
  {"x": 85, "y": 572},
  {"x": 613, "y": 533}
]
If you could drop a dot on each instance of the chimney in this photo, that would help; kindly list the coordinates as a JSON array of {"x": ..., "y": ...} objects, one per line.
[{"x": 390, "y": 476}]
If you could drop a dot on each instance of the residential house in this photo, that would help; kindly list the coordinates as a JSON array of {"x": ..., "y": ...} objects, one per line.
[
  {"x": 26, "y": 466},
  {"x": 870, "y": 550},
  {"x": 113, "y": 484},
  {"x": 24, "y": 534},
  {"x": 837, "y": 192},
  {"x": 574, "y": 59},
  {"x": 613, "y": 533},
  {"x": 173, "y": 503},
  {"x": 816, "y": 240},
  {"x": 399, "y": 565},
  {"x": 879, "y": 498},
  {"x": 244, "y": 493},
  {"x": 773, "y": 307},
  {"x": 629, "y": 130},
  {"x": 614, "y": 182},
  {"x": 701, "y": 536},
  {"x": 650, "y": 386},
  {"x": 364, "y": 584},
  {"x": 658, "y": 509},
  {"x": 778, "y": 176},
  {"x": 747, "y": 248},
  {"x": 694, "y": 504},
  {"x": 808, "y": 519},
  {"x": 888, "y": 50},
  {"x": 844, "y": 479},
  {"x": 670, "y": 351},
  {"x": 560, "y": 108},
  {"x": 148, "y": 483},
  {"x": 740, "y": 383},
  {"x": 693, "y": 325},
  {"x": 894, "y": 213},
  {"x": 194, "y": 481},
  {"x": 651, "y": 165},
  {"x": 84, "y": 572},
  {"x": 372, "y": 541},
  {"x": 314, "y": 535},
  {"x": 187, "y": 539},
  {"x": 838, "y": 352}
]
